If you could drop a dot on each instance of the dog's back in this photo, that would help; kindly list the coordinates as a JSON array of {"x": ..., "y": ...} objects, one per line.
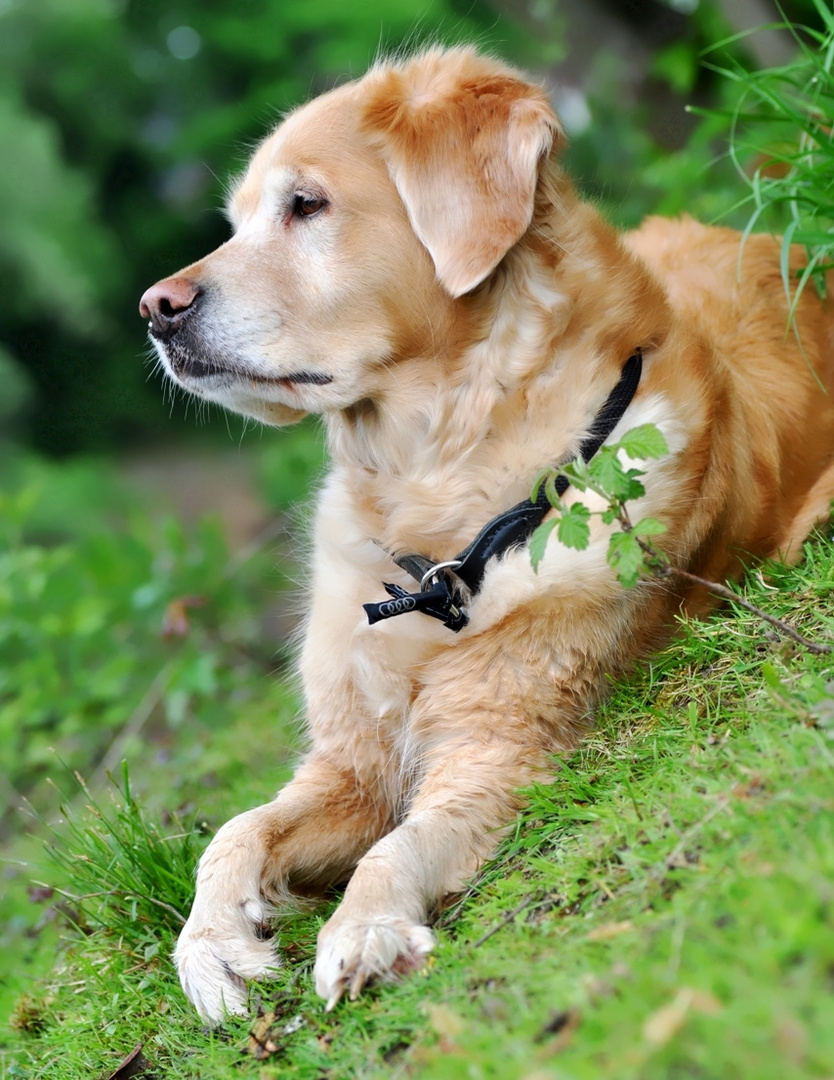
[{"x": 775, "y": 412}]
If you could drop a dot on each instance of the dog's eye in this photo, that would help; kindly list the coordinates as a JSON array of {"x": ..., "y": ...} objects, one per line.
[{"x": 308, "y": 205}]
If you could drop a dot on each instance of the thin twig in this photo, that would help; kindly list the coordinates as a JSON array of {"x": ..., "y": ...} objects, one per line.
[
  {"x": 114, "y": 892},
  {"x": 672, "y": 860},
  {"x": 728, "y": 594},
  {"x": 659, "y": 566},
  {"x": 527, "y": 902},
  {"x": 159, "y": 903}
]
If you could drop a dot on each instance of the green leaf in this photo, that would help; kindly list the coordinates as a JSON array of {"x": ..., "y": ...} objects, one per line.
[
  {"x": 678, "y": 65},
  {"x": 537, "y": 484},
  {"x": 607, "y": 472},
  {"x": 626, "y": 558},
  {"x": 610, "y": 478},
  {"x": 645, "y": 441},
  {"x": 631, "y": 486},
  {"x": 550, "y": 488},
  {"x": 573, "y": 529},
  {"x": 577, "y": 472},
  {"x": 538, "y": 541},
  {"x": 649, "y": 527},
  {"x": 771, "y": 678}
]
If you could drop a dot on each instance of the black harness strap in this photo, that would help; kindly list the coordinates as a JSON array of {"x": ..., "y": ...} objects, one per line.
[{"x": 441, "y": 597}]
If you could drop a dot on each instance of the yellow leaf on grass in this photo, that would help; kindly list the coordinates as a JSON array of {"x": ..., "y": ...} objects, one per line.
[
  {"x": 446, "y": 1023},
  {"x": 610, "y": 930},
  {"x": 703, "y": 1001},
  {"x": 664, "y": 1024}
]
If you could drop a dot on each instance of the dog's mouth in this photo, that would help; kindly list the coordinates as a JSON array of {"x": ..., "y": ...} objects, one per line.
[
  {"x": 311, "y": 378},
  {"x": 192, "y": 367}
]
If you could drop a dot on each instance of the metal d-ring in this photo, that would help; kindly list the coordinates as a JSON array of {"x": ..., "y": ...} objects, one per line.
[{"x": 433, "y": 571}]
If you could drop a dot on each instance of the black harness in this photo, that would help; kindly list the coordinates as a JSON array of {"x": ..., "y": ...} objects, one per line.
[{"x": 440, "y": 592}]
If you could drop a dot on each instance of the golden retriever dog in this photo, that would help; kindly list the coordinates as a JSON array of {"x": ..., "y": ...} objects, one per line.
[{"x": 410, "y": 262}]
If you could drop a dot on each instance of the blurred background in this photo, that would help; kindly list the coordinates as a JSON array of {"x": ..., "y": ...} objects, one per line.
[
  {"x": 121, "y": 122},
  {"x": 147, "y": 545}
]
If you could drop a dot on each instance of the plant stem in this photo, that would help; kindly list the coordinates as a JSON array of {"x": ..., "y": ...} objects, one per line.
[
  {"x": 659, "y": 566},
  {"x": 728, "y": 594},
  {"x": 527, "y": 902}
]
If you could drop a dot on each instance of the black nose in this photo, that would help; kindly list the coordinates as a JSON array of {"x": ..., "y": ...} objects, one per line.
[{"x": 167, "y": 304}]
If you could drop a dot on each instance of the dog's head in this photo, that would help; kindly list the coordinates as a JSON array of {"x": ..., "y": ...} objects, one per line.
[{"x": 360, "y": 225}]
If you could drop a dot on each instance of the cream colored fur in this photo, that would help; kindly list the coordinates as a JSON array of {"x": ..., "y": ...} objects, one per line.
[{"x": 410, "y": 261}]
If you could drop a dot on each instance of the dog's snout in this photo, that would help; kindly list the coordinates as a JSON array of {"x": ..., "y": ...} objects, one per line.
[{"x": 167, "y": 304}]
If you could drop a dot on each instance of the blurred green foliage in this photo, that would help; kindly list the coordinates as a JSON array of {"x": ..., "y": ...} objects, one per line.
[
  {"x": 127, "y": 636},
  {"x": 114, "y": 635},
  {"x": 660, "y": 143}
]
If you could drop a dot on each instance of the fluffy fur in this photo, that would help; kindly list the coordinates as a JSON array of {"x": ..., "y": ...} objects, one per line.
[{"x": 410, "y": 261}]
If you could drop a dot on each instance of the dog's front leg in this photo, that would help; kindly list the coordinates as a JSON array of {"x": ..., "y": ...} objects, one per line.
[
  {"x": 379, "y": 929},
  {"x": 311, "y": 835},
  {"x": 489, "y": 716}
]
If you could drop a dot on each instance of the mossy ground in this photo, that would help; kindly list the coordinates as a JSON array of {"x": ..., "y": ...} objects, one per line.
[{"x": 664, "y": 910}]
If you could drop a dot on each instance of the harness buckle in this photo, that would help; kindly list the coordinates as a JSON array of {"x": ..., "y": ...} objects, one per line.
[
  {"x": 439, "y": 597},
  {"x": 432, "y": 575}
]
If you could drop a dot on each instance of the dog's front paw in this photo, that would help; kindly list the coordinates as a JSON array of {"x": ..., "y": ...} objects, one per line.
[
  {"x": 351, "y": 952},
  {"x": 215, "y": 958}
]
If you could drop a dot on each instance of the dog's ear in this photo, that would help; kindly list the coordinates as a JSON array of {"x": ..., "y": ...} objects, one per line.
[{"x": 462, "y": 137}]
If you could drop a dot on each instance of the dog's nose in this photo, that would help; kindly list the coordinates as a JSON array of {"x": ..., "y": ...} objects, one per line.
[{"x": 167, "y": 304}]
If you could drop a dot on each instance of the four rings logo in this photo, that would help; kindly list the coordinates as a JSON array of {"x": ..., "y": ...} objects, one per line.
[{"x": 397, "y": 607}]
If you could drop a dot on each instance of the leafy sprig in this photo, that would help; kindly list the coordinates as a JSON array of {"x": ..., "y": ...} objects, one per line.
[
  {"x": 631, "y": 551},
  {"x": 605, "y": 475}
]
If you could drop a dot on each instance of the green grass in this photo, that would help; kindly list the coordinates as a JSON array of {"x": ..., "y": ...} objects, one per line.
[
  {"x": 664, "y": 910},
  {"x": 782, "y": 146},
  {"x": 101, "y": 659}
]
